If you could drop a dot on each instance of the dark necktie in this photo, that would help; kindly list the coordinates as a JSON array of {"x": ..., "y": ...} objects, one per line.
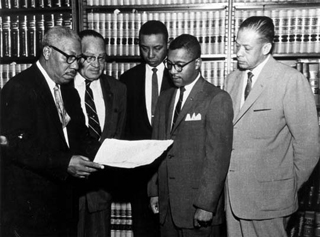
[
  {"x": 178, "y": 106},
  {"x": 63, "y": 115},
  {"x": 94, "y": 125},
  {"x": 154, "y": 92},
  {"x": 249, "y": 85}
]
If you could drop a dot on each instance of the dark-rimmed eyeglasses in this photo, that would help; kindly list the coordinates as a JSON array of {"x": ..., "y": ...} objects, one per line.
[
  {"x": 69, "y": 58},
  {"x": 91, "y": 59},
  {"x": 178, "y": 67}
]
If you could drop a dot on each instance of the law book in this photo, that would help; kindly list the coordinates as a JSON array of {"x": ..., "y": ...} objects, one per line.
[
  {"x": 7, "y": 4},
  {"x": 1, "y": 37},
  {"x": 40, "y": 29},
  {"x": 6, "y": 30},
  {"x": 24, "y": 3},
  {"x": 108, "y": 33},
  {"x": 102, "y": 22},
  {"x": 222, "y": 28},
  {"x": 48, "y": 22},
  {"x": 15, "y": 45},
  {"x": 67, "y": 20},
  {"x": 15, "y": 4},
  {"x": 137, "y": 27},
  {"x": 291, "y": 29},
  {"x": 126, "y": 35},
  {"x": 314, "y": 80},
  {"x": 58, "y": 19},
  {"x": 32, "y": 44},
  {"x": 119, "y": 29}
]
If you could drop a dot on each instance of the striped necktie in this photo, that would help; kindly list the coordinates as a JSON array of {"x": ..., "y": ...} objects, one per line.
[{"x": 94, "y": 125}]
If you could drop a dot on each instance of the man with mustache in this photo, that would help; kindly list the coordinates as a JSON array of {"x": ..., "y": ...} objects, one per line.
[{"x": 49, "y": 147}]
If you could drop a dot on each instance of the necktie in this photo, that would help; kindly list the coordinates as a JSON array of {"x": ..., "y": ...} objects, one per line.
[
  {"x": 154, "y": 92},
  {"x": 178, "y": 106},
  {"x": 63, "y": 115},
  {"x": 94, "y": 125},
  {"x": 249, "y": 85}
]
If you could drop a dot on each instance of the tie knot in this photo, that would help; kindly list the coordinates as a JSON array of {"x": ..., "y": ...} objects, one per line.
[
  {"x": 88, "y": 83},
  {"x": 182, "y": 89},
  {"x": 250, "y": 75},
  {"x": 154, "y": 70}
]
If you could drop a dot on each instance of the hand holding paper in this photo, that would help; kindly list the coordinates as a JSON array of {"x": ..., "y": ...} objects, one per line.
[{"x": 130, "y": 154}]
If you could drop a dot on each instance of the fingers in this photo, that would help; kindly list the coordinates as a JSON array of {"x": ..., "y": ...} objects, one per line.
[{"x": 199, "y": 224}]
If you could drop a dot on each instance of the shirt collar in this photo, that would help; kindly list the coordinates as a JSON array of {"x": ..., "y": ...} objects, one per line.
[{"x": 50, "y": 82}]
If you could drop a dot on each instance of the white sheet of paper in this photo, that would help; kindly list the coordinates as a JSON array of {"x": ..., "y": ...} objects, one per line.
[{"x": 130, "y": 154}]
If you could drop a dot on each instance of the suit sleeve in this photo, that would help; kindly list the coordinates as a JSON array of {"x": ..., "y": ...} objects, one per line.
[
  {"x": 218, "y": 146},
  {"x": 301, "y": 117},
  {"x": 31, "y": 146}
]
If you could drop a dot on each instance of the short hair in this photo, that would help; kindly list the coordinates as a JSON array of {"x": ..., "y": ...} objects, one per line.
[
  {"x": 93, "y": 33},
  {"x": 263, "y": 25},
  {"x": 154, "y": 27},
  {"x": 188, "y": 42},
  {"x": 56, "y": 33}
]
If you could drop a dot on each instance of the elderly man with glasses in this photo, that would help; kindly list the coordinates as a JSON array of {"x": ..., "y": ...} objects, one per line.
[
  {"x": 49, "y": 147},
  {"x": 103, "y": 101},
  {"x": 187, "y": 190}
]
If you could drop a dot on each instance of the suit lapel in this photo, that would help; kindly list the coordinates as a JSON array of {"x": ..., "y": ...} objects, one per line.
[
  {"x": 108, "y": 102},
  {"x": 189, "y": 103},
  {"x": 46, "y": 95},
  {"x": 265, "y": 77}
]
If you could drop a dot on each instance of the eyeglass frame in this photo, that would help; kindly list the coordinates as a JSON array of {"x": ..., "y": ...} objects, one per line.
[
  {"x": 73, "y": 57},
  {"x": 174, "y": 65},
  {"x": 85, "y": 57}
]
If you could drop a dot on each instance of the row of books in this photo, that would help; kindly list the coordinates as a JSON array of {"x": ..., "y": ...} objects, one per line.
[
  {"x": 167, "y": 2},
  {"x": 25, "y": 4},
  {"x": 8, "y": 71},
  {"x": 310, "y": 68},
  {"x": 121, "y": 219},
  {"x": 21, "y": 36},
  {"x": 212, "y": 71},
  {"x": 121, "y": 30},
  {"x": 297, "y": 30}
]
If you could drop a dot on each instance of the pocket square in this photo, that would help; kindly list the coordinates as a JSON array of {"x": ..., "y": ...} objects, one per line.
[{"x": 193, "y": 117}]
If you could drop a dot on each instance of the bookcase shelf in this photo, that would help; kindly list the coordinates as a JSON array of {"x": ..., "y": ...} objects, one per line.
[
  {"x": 18, "y": 11},
  {"x": 273, "y": 5}
]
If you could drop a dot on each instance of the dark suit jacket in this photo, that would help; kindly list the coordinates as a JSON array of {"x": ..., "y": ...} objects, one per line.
[
  {"x": 137, "y": 122},
  {"x": 193, "y": 170},
  {"x": 114, "y": 94},
  {"x": 38, "y": 195}
]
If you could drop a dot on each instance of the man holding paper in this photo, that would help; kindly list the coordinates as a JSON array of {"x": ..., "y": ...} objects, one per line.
[{"x": 187, "y": 190}]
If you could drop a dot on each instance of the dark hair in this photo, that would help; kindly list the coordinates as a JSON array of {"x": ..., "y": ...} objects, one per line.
[
  {"x": 188, "y": 42},
  {"x": 92, "y": 33},
  {"x": 154, "y": 27},
  {"x": 263, "y": 25}
]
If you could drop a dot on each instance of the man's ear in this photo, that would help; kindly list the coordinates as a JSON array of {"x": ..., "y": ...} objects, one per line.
[
  {"x": 266, "y": 49},
  {"x": 46, "y": 51},
  {"x": 198, "y": 63}
]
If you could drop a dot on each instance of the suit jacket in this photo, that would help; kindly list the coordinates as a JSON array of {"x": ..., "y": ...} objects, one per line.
[
  {"x": 137, "y": 123},
  {"x": 275, "y": 144},
  {"x": 193, "y": 170},
  {"x": 114, "y": 94},
  {"x": 38, "y": 191}
]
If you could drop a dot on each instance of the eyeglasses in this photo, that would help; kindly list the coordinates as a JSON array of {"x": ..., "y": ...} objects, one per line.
[
  {"x": 168, "y": 64},
  {"x": 69, "y": 58},
  {"x": 91, "y": 59}
]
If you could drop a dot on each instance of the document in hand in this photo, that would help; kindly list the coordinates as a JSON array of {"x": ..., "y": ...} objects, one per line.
[{"x": 130, "y": 154}]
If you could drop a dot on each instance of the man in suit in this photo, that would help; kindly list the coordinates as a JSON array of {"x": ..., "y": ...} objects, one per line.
[
  {"x": 109, "y": 98},
  {"x": 187, "y": 190},
  {"x": 276, "y": 144},
  {"x": 141, "y": 102},
  {"x": 48, "y": 143}
]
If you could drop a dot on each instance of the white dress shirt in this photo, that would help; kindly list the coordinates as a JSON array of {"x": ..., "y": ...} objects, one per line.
[
  {"x": 80, "y": 85},
  {"x": 148, "y": 85}
]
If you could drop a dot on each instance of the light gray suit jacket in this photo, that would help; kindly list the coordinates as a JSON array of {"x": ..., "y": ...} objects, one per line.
[{"x": 276, "y": 142}]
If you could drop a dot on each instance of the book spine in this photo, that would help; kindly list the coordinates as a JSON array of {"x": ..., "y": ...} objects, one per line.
[
  {"x": 1, "y": 38},
  {"x": 6, "y": 36},
  {"x": 31, "y": 25},
  {"x": 15, "y": 47}
]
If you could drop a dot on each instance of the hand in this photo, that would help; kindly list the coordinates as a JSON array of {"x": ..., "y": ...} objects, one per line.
[
  {"x": 202, "y": 218},
  {"x": 154, "y": 203},
  {"x": 82, "y": 167}
]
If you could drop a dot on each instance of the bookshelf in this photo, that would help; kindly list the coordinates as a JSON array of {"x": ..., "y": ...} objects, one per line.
[{"x": 213, "y": 22}]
